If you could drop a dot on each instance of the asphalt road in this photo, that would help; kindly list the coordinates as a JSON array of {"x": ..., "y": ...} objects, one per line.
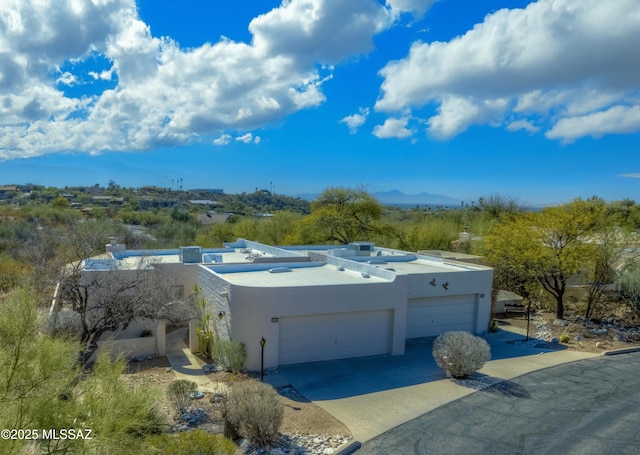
[{"x": 585, "y": 407}]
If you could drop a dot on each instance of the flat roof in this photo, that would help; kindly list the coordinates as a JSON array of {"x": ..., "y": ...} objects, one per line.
[
  {"x": 258, "y": 255},
  {"x": 421, "y": 266},
  {"x": 311, "y": 274},
  {"x": 400, "y": 261},
  {"x": 134, "y": 259}
]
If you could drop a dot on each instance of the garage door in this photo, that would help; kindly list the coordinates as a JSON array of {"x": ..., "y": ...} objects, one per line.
[
  {"x": 428, "y": 317},
  {"x": 334, "y": 336}
]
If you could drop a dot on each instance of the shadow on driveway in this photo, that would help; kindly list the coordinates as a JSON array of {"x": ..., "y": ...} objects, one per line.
[
  {"x": 495, "y": 386},
  {"x": 336, "y": 379}
]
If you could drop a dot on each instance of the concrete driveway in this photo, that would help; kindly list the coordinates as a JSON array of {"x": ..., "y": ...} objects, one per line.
[
  {"x": 587, "y": 407},
  {"x": 372, "y": 395}
]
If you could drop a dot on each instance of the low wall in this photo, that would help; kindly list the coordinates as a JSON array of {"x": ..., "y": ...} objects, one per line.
[{"x": 131, "y": 347}]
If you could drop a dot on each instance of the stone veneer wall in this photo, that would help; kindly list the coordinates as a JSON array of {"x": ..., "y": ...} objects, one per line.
[{"x": 216, "y": 291}]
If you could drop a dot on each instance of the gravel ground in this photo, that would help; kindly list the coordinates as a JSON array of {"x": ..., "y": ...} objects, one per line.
[
  {"x": 306, "y": 428},
  {"x": 588, "y": 336}
]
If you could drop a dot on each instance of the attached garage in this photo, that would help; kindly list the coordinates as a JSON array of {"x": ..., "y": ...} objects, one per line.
[
  {"x": 334, "y": 336},
  {"x": 431, "y": 316}
]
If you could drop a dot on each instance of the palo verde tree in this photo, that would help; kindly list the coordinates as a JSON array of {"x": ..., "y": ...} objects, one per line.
[
  {"x": 547, "y": 247},
  {"x": 341, "y": 215},
  {"x": 42, "y": 387}
]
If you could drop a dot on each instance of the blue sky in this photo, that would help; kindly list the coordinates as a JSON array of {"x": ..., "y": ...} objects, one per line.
[{"x": 534, "y": 100}]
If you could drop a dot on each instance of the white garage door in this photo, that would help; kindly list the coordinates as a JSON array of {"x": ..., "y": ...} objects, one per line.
[
  {"x": 334, "y": 336},
  {"x": 428, "y": 317}
]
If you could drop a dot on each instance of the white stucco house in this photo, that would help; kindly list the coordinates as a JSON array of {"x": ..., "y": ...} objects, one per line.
[{"x": 314, "y": 303}]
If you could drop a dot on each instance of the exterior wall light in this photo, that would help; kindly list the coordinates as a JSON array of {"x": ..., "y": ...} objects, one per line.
[
  {"x": 262, "y": 343},
  {"x": 221, "y": 315}
]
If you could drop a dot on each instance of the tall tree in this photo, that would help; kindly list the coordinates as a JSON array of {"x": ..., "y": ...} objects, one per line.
[
  {"x": 342, "y": 215},
  {"x": 41, "y": 387},
  {"x": 548, "y": 246}
]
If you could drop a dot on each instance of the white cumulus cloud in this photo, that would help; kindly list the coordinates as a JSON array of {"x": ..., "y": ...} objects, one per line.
[
  {"x": 162, "y": 94},
  {"x": 393, "y": 128},
  {"x": 246, "y": 138},
  {"x": 355, "y": 121},
  {"x": 570, "y": 61},
  {"x": 617, "y": 119},
  {"x": 522, "y": 125},
  {"x": 224, "y": 139}
]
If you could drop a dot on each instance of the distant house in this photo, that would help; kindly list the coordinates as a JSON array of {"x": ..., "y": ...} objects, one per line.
[
  {"x": 213, "y": 218},
  {"x": 106, "y": 200},
  {"x": 149, "y": 202},
  {"x": 506, "y": 300},
  {"x": 5, "y": 189},
  {"x": 205, "y": 190},
  {"x": 203, "y": 202}
]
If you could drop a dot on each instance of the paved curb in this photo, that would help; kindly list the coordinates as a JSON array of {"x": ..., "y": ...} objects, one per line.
[
  {"x": 622, "y": 351},
  {"x": 349, "y": 448}
]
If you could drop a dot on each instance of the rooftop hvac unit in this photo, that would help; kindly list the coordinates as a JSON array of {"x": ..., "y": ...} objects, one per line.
[
  {"x": 190, "y": 254},
  {"x": 362, "y": 248}
]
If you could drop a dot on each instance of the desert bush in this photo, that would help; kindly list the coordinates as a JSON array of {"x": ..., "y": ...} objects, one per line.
[
  {"x": 255, "y": 411},
  {"x": 178, "y": 393},
  {"x": 63, "y": 323},
  {"x": 460, "y": 353},
  {"x": 564, "y": 338},
  {"x": 229, "y": 354},
  {"x": 196, "y": 442}
]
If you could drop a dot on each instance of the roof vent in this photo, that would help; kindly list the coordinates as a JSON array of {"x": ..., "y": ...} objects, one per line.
[
  {"x": 366, "y": 275},
  {"x": 279, "y": 270},
  {"x": 341, "y": 269}
]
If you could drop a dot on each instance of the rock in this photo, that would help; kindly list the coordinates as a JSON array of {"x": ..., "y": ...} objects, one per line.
[
  {"x": 600, "y": 345},
  {"x": 555, "y": 340},
  {"x": 196, "y": 395},
  {"x": 210, "y": 368},
  {"x": 561, "y": 323},
  {"x": 579, "y": 338},
  {"x": 620, "y": 337}
]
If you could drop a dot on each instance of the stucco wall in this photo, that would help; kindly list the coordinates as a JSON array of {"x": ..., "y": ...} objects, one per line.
[
  {"x": 253, "y": 309},
  {"x": 476, "y": 282}
]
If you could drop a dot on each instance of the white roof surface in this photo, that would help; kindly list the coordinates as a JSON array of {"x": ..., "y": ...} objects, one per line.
[{"x": 320, "y": 275}]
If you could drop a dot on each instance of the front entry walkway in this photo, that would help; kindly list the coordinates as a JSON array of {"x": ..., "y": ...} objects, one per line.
[{"x": 185, "y": 364}]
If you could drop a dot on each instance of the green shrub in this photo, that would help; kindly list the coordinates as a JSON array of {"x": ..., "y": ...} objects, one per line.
[
  {"x": 564, "y": 338},
  {"x": 178, "y": 393},
  {"x": 255, "y": 411},
  {"x": 63, "y": 324},
  {"x": 229, "y": 354},
  {"x": 196, "y": 442},
  {"x": 460, "y": 353}
]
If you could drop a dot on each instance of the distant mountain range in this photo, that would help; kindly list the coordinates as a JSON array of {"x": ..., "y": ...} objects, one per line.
[{"x": 396, "y": 197}]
